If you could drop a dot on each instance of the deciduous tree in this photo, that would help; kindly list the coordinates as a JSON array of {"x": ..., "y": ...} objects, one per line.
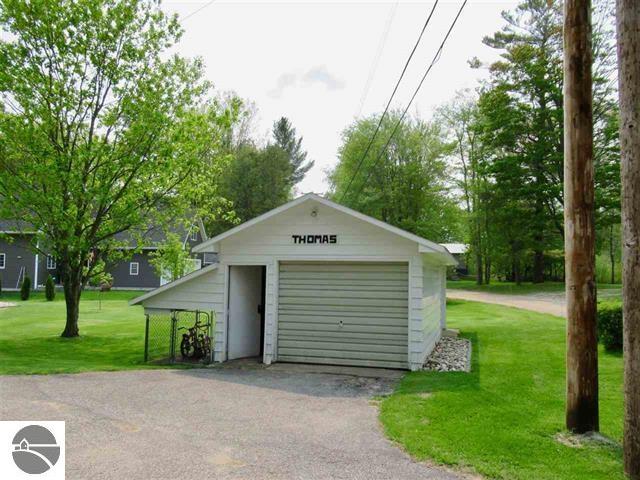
[{"x": 99, "y": 125}]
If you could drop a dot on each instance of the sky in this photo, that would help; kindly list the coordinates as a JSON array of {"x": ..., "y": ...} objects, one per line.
[{"x": 325, "y": 64}]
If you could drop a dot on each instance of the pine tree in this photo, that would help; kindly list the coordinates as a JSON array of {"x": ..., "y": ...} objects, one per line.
[
  {"x": 25, "y": 289},
  {"x": 285, "y": 137},
  {"x": 50, "y": 289}
]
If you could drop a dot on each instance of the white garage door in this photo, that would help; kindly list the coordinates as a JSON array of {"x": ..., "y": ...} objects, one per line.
[{"x": 343, "y": 313}]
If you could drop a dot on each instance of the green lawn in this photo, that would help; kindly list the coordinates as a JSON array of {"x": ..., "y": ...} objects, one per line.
[
  {"x": 501, "y": 420},
  {"x": 510, "y": 288},
  {"x": 112, "y": 337}
]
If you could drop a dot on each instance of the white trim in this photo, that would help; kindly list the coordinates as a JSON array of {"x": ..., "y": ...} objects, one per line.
[
  {"x": 131, "y": 264},
  {"x": 424, "y": 244},
  {"x": 4, "y": 261},
  {"x": 175, "y": 283}
]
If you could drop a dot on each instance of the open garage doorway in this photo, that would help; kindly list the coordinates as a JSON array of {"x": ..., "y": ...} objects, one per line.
[{"x": 246, "y": 311}]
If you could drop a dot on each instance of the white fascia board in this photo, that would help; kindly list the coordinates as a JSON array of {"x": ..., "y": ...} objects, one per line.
[
  {"x": 175, "y": 283},
  {"x": 440, "y": 257}
]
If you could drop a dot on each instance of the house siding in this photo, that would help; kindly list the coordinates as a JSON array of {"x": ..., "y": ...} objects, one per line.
[
  {"x": 18, "y": 254},
  {"x": 146, "y": 278}
]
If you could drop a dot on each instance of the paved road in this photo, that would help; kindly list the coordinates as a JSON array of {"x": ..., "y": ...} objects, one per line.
[
  {"x": 225, "y": 423},
  {"x": 552, "y": 304}
]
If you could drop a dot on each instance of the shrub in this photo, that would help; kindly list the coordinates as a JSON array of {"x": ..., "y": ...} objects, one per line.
[
  {"x": 25, "y": 288},
  {"x": 50, "y": 289},
  {"x": 610, "y": 325}
]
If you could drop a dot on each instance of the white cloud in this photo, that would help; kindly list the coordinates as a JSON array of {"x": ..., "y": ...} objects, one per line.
[
  {"x": 284, "y": 81},
  {"x": 321, "y": 74},
  {"x": 316, "y": 75}
]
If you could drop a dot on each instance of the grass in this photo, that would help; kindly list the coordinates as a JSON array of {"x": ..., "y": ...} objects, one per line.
[
  {"x": 510, "y": 288},
  {"x": 501, "y": 420},
  {"x": 112, "y": 337}
]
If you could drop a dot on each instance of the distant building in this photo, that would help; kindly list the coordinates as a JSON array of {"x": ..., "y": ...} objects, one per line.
[
  {"x": 18, "y": 259},
  {"x": 459, "y": 251}
]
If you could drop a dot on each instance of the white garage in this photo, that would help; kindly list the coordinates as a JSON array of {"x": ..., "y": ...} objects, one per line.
[{"x": 315, "y": 282}]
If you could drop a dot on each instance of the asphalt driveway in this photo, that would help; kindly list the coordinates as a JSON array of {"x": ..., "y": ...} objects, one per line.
[{"x": 224, "y": 423}]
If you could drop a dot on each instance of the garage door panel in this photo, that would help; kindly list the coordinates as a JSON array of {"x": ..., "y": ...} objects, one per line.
[
  {"x": 345, "y": 361},
  {"x": 346, "y": 310},
  {"x": 343, "y": 313},
  {"x": 331, "y": 283},
  {"x": 313, "y": 300},
  {"x": 363, "y": 354},
  {"x": 335, "y": 320},
  {"x": 354, "y": 337},
  {"x": 344, "y": 267},
  {"x": 345, "y": 293},
  {"x": 331, "y": 327}
]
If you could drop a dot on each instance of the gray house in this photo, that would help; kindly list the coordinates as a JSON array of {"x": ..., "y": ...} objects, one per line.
[
  {"x": 137, "y": 273},
  {"x": 18, "y": 259}
]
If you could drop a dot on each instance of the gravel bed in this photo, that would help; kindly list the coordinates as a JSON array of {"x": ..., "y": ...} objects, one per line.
[{"x": 450, "y": 355}]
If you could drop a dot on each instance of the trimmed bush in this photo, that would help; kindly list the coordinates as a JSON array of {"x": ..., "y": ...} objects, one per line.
[
  {"x": 50, "y": 289},
  {"x": 610, "y": 325},
  {"x": 25, "y": 288}
]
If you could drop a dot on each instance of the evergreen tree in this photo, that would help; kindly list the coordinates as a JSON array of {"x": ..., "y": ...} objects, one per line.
[
  {"x": 257, "y": 181},
  {"x": 49, "y": 289},
  {"x": 25, "y": 289},
  {"x": 285, "y": 137}
]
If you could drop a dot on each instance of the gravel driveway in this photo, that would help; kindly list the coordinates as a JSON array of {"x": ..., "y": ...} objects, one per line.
[{"x": 222, "y": 423}]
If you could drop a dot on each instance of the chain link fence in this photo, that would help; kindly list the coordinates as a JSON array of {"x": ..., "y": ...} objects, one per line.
[{"x": 179, "y": 336}]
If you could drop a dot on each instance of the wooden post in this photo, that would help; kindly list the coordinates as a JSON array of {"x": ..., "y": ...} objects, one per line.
[
  {"x": 582, "y": 345},
  {"x": 628, "y": 27}
]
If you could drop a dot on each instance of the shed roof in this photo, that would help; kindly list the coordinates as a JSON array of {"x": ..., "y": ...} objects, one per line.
[{"x": 456, "y": 248}]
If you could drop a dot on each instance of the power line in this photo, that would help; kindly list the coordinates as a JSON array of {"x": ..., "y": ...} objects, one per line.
[
  {"x": 198, "y": 10},
  {"x": 389, "y": 102},
  {"x": 376, "y": 60},
  {"x": 436, "y": 57}
]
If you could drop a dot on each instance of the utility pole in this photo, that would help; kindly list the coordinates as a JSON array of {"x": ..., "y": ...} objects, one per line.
[
  {"x": 628, "y": 28},
  {"x": 579, "y": 243}
]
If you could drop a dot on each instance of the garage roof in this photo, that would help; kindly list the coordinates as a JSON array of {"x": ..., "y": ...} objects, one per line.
[{"x": 426, "y": 246}]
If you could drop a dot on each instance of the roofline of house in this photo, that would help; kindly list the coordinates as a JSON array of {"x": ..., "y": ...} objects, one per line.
[{"x": 202, "y": 247}]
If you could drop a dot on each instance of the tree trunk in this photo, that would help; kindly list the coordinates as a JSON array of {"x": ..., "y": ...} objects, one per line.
[
  {"x": 628, "y": 19},
  {"x": 612, "y": 255},
  {"x": 538, "y": 266},
  {"x": 487, "y": 270},
  {"x": 72, "y": 290},
  {"x": 582, "y": 347},
  {"x": 478, "y": 268}
]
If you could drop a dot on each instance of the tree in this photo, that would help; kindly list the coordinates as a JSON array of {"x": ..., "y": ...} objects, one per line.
[
  {"x": 408, "y": 186},
  {"x": 25, "y": 289},
  {"x": 519, "y": 124},
  {"x": 628, "y": 19},
  {"x": 171, "y": 260},
  {"x": 49, "y": 289},
  {"x": 99, "y": 125},
  {"x": 284, "y": 136},
  {"x": 257, "y": 181},
  {"x": 459, "y": 118}
]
